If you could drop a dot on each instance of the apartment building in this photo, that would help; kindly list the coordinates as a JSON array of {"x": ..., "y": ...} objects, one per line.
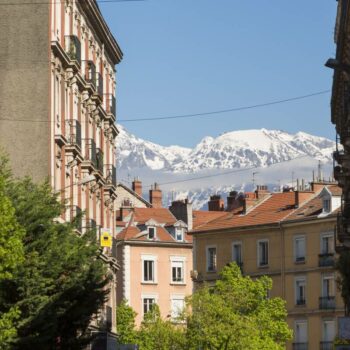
[
  {"x": 155, "y": 252},
  {"x": 288, "y": 236},
  {"x": 58, "y": 109}
]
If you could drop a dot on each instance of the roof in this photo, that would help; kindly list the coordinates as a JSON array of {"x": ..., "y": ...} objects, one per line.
[
  {"x": 133, "y": 193},
  {"x": 335, "y": 190},
  {"x": 271, "y": 210},
  {"x": 201, "y": 217},
  {"x": 163, "y": 216}
]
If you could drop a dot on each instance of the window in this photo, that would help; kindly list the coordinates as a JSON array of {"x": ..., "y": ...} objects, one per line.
[
  {"x": 151, "y": 233},
  {"x": 327, "y": 205},
  {"x": 327, "y": 243},
  {"x": 328, "y": 331},
  {"x": 328, "y": 289},
  {"x": 299, "y": 249},
  {"x": 237, "y": 253},
  {"x": 300, "y": 332},
  {"x": 179, "y": 234},
  {"x": 148, "y": 304},
  {"x": 177, "y": 271},
  {"x": 211, "y": 259},
  {"x": 149, "y": 269},
  {"x": 177, "y": 306},
  {"x": 300, "y": 291},
  {"x": 263, "y": 253}
]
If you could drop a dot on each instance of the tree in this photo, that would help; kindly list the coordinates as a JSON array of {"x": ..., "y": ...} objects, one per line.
[
  {"x": 11, "y": 257},
  {"x": 126, "y": 323},
  {"x": 62, "y": 284},
  {"x": 236, "y": 314}
]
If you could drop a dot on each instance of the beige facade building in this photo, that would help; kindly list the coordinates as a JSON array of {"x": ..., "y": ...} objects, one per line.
[
  {"x": 57, "y": 63},
  {"x": 288, "y": 236}
]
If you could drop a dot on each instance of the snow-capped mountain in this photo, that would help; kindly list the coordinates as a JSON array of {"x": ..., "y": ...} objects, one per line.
[{"x": 236, "y": 149}]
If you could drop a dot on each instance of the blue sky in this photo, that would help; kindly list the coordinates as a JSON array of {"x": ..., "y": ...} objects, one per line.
[{"x": 190, "y": 56}]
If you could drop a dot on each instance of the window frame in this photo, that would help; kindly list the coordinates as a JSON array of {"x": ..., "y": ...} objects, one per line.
[
  {"x": 153, "y": 297},
  {"x": 296, "y": 322},
  {"x": 182, "y": 234},
  {"x": 237, "y": 243},
  {"x": 329, "y": 277},
  {"x": 327, "y": 235},
  {"x": 151, "y": 227},
  {"x": 295, "y": 239},
  {"x": 208, "y": 247},
  {"x": 174, "y": 297},
  {"x": 175, "y": 260},
  {"x": 265, "y": 240},
  {"x": 296, "y": 290},
  {"x": 153, "y": 259}
]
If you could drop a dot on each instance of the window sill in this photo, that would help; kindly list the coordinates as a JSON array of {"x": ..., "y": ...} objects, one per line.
[
  {"x": 177, "y": 283},
  {"x": 263, "y": 266},
  {"x": 300, "y": 262},
  {"x": 211, "y": 271},
  {"x": 151, "y": 283}
]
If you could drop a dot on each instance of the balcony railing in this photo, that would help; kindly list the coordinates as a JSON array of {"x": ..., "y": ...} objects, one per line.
[
  {"x": 111, "y": 104},
  {"x": 111, "y": 174},
  {"x": 326, "y": 259},
  {"x": 99, "y": 83},
  {"x": 76, "y": 217},
  {"x": 300, "y": 259},
  {"x": 300, "y": 346},
  {"x": 326, "y": 345},
  {"x": 73, "y": 130},
  {"x": 90, "y": 73},
  {"x": 99, "y": 160},
  {"x": 73, "y": 48},
  {"x": 301, "y": 301},
  {"x": 327, "y": 303},
  {"x": 90, "y": 151}
]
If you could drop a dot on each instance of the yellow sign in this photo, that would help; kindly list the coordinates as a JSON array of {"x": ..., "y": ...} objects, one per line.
[{"x": 106, "y": 239}]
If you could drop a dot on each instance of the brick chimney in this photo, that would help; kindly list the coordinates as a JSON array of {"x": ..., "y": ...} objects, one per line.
[
  {"x": 137, "y": 187},
  {"x": 261, "y": 191},
  {"x": 234, "y": 200},
  {"x": 182, "y": 210},
  {"x": 216, "y": 203},
  {"x": 155, "y": 196}
]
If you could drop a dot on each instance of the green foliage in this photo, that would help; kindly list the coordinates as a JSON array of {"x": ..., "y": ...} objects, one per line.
[
  {"x": 61, "y": 284},
  {"x": 126, "y": 323},
  {"x": 236, "y": 314},
  {"x": 11, "y": 257}
]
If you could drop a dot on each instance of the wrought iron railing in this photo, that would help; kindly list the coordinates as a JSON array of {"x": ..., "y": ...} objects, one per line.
[
  {"x": 326, "y": 345},
  {"x": 90, "y": 151},
  {"x": 73, "y": 48},
  {"x": 300, "y": 346},
  {"x": 327, "y": 302},
  {"x": 99, "y": 83},
  {"x": 111, "y": 104},
  {"x": 326, "y": 259},
  {"x": 301, "y": 301},
  {"x": 99, "y": 160},
  {"x": 73, "y": 132},
  {"x": 90, "y": 73}
]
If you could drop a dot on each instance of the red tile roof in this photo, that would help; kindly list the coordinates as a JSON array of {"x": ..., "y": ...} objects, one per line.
[
  {"x": 161, "y": 215},
  {"x": 201, "y": 217}
]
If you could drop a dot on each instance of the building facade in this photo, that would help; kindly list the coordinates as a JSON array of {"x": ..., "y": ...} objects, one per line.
[
  {"x": 290, "y": 238},
  {"x": 57, "y": 64}
]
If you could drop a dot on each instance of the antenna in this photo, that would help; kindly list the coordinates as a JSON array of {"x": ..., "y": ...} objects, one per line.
[
  {"x": 319, "y": 168},
  {"x": 253, "y": 180},
  {"x": 292, "y": 179}
]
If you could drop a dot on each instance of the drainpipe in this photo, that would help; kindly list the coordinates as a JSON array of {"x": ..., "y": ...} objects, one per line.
[{"x": 283, "y": 263}]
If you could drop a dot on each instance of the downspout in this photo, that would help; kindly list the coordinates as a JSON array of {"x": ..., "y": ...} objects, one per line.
[{"x": 283, "y": 263}]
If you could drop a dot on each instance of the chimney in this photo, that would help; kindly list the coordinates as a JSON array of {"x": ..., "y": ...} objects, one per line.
[
  {"x": 216, "y": 203},
  {"x": 155, "y": 196},
  {"x": 137, "y": 187},
  {"x": 235, "y": 200},
  {"x": 261, "y": 191},
  {"x": 182, "y": 210}
]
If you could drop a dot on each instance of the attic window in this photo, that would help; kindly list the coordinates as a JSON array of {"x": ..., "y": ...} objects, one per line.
[
  {"x": 179, "y": 234},
  {"x": 327, "y": 205},
  {"x": 151, "y": 232}
]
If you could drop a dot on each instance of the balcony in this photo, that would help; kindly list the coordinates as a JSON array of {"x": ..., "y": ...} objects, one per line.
[
  {"x": 90, "y": 151},
  {"x": 111, "y": 174},
  {"x": 327, "y": 303},
  {"x": 90, "y": 73},
  {"x": 111, "y": 104},
  {"x": 73, "y": 130},
  {"x": 300, "y": 346},
  {"x": 326, "y": 345},
  {"x": 326, "y": 259},
  {"x": 76, "y": 217},
  {"x": 300, "y": 301},
  {"x": 73, "y": 48},
  {"x": 99, "y": 160},
  {"x": 99, "y": 83}
]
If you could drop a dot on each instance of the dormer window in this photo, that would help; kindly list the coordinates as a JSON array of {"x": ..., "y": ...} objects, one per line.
[
  {"x": 151, "y": 232},
  {"x": 326, "y": 205},
  {"x": 179, "y": 234}
]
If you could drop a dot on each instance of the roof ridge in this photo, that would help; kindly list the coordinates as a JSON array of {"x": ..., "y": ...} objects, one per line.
[{"x": 305, "y": 203}]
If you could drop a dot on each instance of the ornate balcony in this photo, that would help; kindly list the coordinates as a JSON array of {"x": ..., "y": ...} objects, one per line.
[
  {"x": 73, "y": 48},
  {"x": 73, "y": 132},
  {"x": 300, "y": 346},
  {"x": 111, "y": 174},
  {"x": 300, "y": 301},
  {"x": 99, "y": 85},
  {"x": 326, "y": 259},
  {"x": 327, "y": 303},
  {"x": 90, "y": 152},
  {"x": 111, "y": 104}
]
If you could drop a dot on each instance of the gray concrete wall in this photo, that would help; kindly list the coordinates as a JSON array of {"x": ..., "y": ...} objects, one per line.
[{"x": 24, "y": 86}]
